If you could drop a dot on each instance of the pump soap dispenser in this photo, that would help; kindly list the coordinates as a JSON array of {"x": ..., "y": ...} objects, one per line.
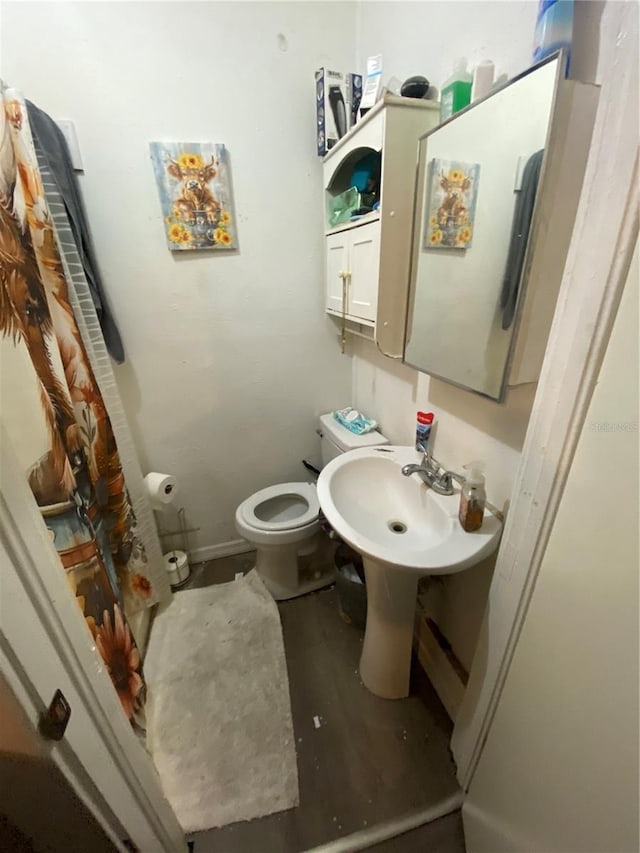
[{"x": 472, "y": 498}]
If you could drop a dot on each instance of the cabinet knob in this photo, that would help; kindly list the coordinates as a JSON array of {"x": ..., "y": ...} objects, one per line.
[{"x": 392, "y": 213}]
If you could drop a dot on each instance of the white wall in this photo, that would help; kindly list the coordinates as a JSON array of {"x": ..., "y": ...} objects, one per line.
[
  {"x": 229, "y": 357},
  {"x": 425, "y": 38},
  {"x": 559, "y": 770}
]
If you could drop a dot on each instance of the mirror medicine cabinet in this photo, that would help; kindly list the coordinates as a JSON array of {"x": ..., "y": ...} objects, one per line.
[{"x": 496, "y": 196}]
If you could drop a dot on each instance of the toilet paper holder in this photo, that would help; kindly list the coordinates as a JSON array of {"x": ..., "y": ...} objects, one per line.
[
  {"x": 183, "y": 531},
  {"x": 177, "y": 561}
]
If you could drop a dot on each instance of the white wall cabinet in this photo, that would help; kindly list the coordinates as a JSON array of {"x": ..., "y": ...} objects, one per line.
[
  {"x": 352, "y": 272},
  {"x": 367, "y": 260}
]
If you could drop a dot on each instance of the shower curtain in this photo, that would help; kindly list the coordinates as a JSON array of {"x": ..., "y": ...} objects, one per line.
[{"x": 55, "y": 413}]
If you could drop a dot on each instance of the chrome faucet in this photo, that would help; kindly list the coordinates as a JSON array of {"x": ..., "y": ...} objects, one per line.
[{"x": 432, "y": 474}]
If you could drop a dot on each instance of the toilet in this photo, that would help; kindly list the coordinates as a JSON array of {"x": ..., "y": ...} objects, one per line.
[{"x": 282, "y": 521}]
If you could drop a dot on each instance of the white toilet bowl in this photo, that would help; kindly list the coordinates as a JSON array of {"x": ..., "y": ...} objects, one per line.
[{"x": 282, "y": 522}]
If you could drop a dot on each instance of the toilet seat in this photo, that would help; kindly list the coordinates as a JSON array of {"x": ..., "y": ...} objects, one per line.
[{"x": 270, "y": 510}]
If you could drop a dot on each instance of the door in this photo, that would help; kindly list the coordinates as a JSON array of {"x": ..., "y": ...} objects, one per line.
[
  {"x": 337, "y": 266},
  {"x": 66, "y": 823},
  {"x": 45, "y": 646},
  {"x": 364, "y": 264}
]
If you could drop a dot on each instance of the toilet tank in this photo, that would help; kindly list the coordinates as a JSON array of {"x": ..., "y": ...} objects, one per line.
[{"x": 336, "y": 439}]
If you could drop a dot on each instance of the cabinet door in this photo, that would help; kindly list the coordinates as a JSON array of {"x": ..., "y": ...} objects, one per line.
[
  {"x": 337, "y": 264},
  {"x": 364, "y": 261}
]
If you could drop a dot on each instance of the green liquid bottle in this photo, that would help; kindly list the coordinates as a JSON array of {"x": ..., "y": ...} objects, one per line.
[{"x": 456, "y": 90}]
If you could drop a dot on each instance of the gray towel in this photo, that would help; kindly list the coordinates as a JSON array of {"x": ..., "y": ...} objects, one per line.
[
  {"x": 519, "y": 236},
  {"x": 53, "y": 145}
]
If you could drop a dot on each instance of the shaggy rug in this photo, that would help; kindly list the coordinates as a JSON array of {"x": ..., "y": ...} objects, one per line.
[{"x": 219, "y": 722}]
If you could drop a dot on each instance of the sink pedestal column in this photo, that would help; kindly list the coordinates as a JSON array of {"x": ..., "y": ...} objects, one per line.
[{"x": 391, "y": 606}]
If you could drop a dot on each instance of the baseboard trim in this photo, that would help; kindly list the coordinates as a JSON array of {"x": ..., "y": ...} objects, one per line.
[
  {"x": 224, "y": 549},
  {"x": 366, "y": 838}
]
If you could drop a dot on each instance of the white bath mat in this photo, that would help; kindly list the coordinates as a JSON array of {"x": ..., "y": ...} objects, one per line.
[{"x": 218, "y": 710}]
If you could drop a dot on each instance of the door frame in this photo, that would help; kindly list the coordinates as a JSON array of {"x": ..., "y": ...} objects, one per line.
[
  {"x": 45, "y": 645},
  {"x": 600, "y": 252}
]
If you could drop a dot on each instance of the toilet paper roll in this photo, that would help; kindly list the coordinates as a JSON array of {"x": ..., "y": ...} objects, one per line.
[
  {"x": 161, "y": 488},
  {"x": 177, "y": 565}
]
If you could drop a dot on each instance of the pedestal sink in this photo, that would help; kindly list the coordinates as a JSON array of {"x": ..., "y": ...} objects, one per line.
[{"x": 403, "y": 530}]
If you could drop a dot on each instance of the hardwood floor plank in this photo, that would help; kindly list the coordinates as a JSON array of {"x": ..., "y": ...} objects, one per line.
[{"x": 369, "y": 760}]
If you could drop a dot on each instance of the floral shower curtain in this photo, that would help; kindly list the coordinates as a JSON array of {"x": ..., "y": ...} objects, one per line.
[{"x": 56, "y": 416}]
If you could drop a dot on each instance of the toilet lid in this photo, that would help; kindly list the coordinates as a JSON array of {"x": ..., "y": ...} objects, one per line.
[{"x": 286, "y": 506}]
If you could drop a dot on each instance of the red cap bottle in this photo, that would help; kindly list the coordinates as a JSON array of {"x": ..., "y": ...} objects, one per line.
[{"x": 423, "y": 430}]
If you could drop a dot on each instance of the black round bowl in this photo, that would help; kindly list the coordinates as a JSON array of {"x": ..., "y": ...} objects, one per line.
[{"x": 415, "y": 87}]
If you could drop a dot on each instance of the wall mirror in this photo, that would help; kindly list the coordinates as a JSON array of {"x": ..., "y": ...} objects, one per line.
[{"x": 477, "y": 180}]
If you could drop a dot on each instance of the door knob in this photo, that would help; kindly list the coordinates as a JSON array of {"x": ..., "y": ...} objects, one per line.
[{"x": 53, "y": 722}]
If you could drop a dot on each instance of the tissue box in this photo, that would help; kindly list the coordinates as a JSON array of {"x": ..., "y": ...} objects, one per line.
[{"x": 337, "y": 100}]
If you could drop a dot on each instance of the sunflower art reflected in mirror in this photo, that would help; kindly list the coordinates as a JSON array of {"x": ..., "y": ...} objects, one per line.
[{"x": 453, "y": 189}]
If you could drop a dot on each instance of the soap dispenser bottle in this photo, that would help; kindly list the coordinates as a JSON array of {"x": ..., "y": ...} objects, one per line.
[
  {"x": 473, "y": 498},
  {"x": 456, "y": 90}
]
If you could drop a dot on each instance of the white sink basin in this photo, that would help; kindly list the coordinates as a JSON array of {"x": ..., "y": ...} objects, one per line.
[
  {"x": 403, "y": 530},
  {"x": 396, "y": 519}
]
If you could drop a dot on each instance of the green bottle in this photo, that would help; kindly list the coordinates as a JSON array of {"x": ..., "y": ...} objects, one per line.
[{"x": 456, "y": 90}]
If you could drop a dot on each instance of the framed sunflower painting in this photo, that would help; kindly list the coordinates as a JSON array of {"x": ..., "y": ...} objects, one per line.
[
  {"x": 194, "y": 184},
  {"x": 451, "y": 204}
]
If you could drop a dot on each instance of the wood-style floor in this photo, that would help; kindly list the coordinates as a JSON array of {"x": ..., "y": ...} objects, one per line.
[{"x": 370, "y": 760}]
